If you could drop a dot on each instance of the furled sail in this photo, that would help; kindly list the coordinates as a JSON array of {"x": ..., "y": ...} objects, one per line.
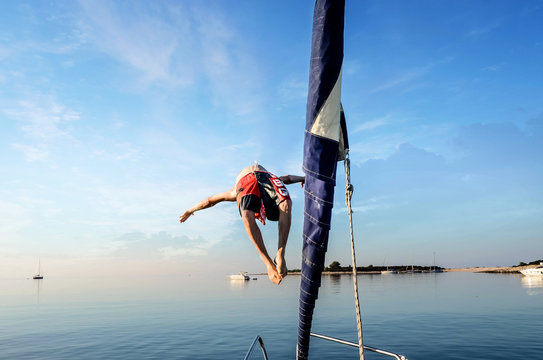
[{"x": 325, "y": 144}]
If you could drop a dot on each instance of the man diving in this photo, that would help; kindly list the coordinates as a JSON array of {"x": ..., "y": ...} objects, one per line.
[{"x": 260, "y": 195}]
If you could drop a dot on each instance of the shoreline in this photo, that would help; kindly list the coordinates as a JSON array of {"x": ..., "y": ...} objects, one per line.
[
  {"x": 476, "y": 269},
  {"x": 492, "y": 269}
]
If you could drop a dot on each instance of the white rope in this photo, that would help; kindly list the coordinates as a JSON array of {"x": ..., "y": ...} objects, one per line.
[{"x": 348, "y": 195}]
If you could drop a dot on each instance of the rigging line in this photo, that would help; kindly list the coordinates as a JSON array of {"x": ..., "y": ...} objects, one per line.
[{"x": 348, "y": 194}]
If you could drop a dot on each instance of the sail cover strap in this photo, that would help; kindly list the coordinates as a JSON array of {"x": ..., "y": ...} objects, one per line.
[{"x": 325, "y": 133}]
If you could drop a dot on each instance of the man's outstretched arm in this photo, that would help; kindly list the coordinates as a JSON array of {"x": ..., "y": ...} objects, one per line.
[
  {"x": 292, "y": 179},
  {"x": 229, "y": 195}
]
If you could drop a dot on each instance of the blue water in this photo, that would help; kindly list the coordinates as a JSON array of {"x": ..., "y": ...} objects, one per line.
[{"x": 421, "y": 316}]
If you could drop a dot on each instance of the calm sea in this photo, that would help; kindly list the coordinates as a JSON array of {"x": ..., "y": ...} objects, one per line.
[{"x": 422, "y": 316}]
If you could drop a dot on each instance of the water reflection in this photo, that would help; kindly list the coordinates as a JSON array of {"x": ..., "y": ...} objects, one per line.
[
  {"x": 38, "y": 284},
  {"x": 533, "y": 284},
  {"x": 238, "y": 284},
  {"x": 335, "y": 279}
]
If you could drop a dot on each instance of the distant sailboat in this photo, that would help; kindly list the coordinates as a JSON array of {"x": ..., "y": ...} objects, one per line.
[
  {"x": 435, "y": 269},
  {"x": 387, "y": 271},
  {"x": 412, "y": 271},
  {"x": 38, "y": 274}
]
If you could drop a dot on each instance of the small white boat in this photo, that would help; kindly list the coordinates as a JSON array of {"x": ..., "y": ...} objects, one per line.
[
  {"x": 538, "y": 271},
  {"x": 240, "y": 276},
  {"x": 388, "y": 272}
]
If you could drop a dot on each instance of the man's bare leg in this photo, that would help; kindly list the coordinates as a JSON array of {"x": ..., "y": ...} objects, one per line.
[
  {"x": 285, "y": 217},
  {"x": 256, "y": 237}
]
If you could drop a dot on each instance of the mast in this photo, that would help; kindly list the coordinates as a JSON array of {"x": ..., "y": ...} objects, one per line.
[
  {"x": 38, "y": 273},
  {"x": 325, "y": 144}
]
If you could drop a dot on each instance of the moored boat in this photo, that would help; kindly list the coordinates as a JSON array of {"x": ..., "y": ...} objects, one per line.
[
  {"x": 38, "y": 275},
  {"x": 388, "y": 272},
  {"x": 537, "y": 271},
  {"x": 241, "y": 276}
]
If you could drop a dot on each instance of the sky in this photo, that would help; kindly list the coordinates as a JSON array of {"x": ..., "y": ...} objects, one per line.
[{"x": 116, "y": 116}]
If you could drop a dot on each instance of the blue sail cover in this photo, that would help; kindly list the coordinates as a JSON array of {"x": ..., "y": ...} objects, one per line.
[{"x": 325, "y": 141}]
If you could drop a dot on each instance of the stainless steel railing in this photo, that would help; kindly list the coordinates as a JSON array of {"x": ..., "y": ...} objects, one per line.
[
  {"x": 369, "y": 348},
  {"x": 261, "y": 342}
]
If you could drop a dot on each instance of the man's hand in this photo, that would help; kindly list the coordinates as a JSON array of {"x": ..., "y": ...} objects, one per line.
[
  {"x": 291, "y": 179},
  {"x": 229, "y": 195},
  {"x": 185, "y": 216}
]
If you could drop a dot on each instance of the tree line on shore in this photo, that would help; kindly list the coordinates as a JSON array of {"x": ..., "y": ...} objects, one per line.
[
  {"x": 535, "y": 262},
  {"x": 335, "y": 266}
]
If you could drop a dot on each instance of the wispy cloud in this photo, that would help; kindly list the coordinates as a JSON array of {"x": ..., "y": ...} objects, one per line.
[
  {"x": 5, "y": 51},
  {"x": 13, "y": 219},
  {"x": 494, "y": 67},
  {"x": 128, "y": 152},
  {"x": 31, "y": 39},
  {"x": 44, "y": 122},
  {"x": 33, "y": 153},
  {"x": 293, "y": 89},
  {"x": 372, "y": 124},
  {"x": 171, "y": 252},
  {"x": 65, "y": 44},
  {"x": 236, "y": 147},
  {"x": 403, "y": 78},
  {"x": 141, "y": 40},
  {"x": 228, "y": 64},
  {"x": 42, "y": 118},
  {"x": 482, "y": 31},
  {"x": 161, "y": 245},
  {"x": 376, "y": 147},
  {"x": 179, "y": 45},
  {"x": 351, "y": 67},
  {"x": 101, "y": 251},
  {"x": 369, "y": 205}
]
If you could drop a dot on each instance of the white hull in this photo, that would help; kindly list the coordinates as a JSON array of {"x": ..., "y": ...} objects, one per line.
[
  {"x": 240, "y": 276},
  {"x": 538, "y": 271},
  {"x": 388, "y": 272},
  {"x": 532, "y": 272}
]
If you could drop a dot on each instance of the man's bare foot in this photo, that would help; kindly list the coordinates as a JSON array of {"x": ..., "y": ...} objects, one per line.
[
  {"x": 281, "y": 265},
  {"x": 273, "y": 274}
]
